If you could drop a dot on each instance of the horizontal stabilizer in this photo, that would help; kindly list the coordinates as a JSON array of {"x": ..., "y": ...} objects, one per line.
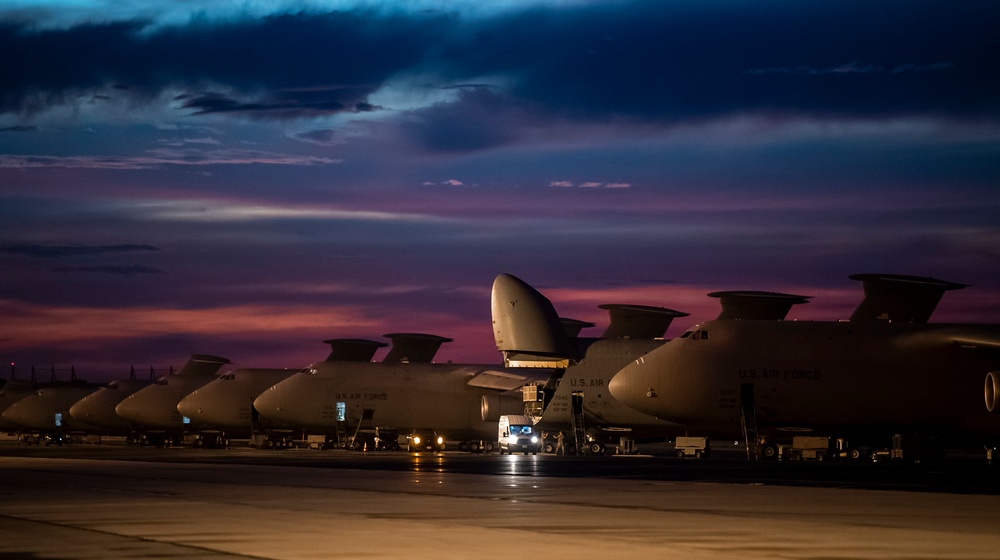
[
  {"x": 524, "y": 320},
  {"x": 638, "y": 321},
  {"x": 756, "y": 306},
  {"x": 352, "y": 349},
  {"x": 506, "y": 380},
  {"x": 898, "y": 298},
  {"x": 202, "y": 365},
  {"x": 414, "y": 348}
]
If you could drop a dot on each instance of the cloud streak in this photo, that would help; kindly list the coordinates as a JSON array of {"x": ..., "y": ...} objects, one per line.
[{"x": 162, "y": 157}]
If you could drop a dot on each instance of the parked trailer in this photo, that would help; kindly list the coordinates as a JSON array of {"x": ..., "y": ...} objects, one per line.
[
  {"x": 696, "y": 447},
  {"x": 809, "y": 448}
]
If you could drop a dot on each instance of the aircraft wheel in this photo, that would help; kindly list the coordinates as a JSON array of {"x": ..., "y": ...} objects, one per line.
[
  {"x": 597, "y": 448},
  {"x": 489, "y": 447},
  {"x": 473, "y": 447},
  {"x": 769, "y": 451},
  {"x": 548, "y": 448},
  {"x": 854, "y": 454}
]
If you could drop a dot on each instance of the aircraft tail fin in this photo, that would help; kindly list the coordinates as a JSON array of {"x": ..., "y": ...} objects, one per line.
[
  {"x": 899, "y": 298},
  {"x": 352, "y": 349},
  {"x": 526, "y": 327},
  {"x": 574, "y": 326},
  {"x": 202, "y": 365},
  {"x": 756, "y": 306},
  {"x": 638, "y": 321},
  {"x": 415, "y": 348}
]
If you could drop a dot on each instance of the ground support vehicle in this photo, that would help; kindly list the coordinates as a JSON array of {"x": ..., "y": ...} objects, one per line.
[
  {"x": 692, "y": 446},
  {"x": 424, "y": 440},
  {"x": 517, "y": 433}
]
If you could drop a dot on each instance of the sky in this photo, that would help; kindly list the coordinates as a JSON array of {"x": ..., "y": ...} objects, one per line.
[{"x": 247, "y": 179}]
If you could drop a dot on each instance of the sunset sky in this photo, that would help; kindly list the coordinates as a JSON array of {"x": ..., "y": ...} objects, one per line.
[{"x": 247, "y": 179}]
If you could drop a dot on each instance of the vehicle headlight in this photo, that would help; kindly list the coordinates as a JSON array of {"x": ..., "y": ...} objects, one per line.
[
  {"x": 534, "y": 439},
  {"x": 416, "y": 440},
  {"x": 440, "y": 440}
]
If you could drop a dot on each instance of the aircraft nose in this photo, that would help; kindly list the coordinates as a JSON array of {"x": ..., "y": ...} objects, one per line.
[
  {"x": 270, "y": 404},
  {"x": 81, "y": 410},
  {"x": 193, "y": 406},
  {"x": 13, "y": 415},
  {"x": 635, "y": 386},
  {"x": 129, "y": 409}
]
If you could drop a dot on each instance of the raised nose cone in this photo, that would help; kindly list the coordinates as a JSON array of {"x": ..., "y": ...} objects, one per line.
[{"x": 524, "y": 320}]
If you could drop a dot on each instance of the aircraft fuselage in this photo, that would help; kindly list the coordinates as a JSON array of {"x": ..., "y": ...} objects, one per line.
[{"x": 818, "y": 375}]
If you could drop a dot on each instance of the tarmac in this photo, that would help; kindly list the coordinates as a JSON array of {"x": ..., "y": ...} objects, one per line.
[{"x": 226, "y": 506}]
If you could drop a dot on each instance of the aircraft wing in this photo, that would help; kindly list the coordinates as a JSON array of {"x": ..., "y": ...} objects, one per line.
[
  {"x": 501, "y": 380},
  {"x": 974, "y": 341}
]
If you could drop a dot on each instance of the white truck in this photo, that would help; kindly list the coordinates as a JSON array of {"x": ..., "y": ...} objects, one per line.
[{"x": 517, "y": 433}]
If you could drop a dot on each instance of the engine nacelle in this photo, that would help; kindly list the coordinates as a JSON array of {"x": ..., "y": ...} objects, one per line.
[
  {"x": 495, "y": 406},
  {"x": 490, "y": 407},
  {"x": 992, "y": 391}
]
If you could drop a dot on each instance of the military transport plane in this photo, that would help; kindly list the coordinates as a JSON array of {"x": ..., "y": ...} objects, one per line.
[
  {"x": 336, "y": 398},
  {"x": 528, "y": 332},
  {"x": 98, "y": 408},
  {"x": 152, "y": 411},
  {"x": 12, "y": 391},
  {"x": 884, "y": 372},
  {"x": 226, "y": 404},
  {"x": 45, "y": 412}
]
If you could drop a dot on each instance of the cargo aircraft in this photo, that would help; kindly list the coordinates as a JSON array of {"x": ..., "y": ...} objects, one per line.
[
  {"x": 886, "y": 374},
  {"x": 43, "y": 415},
  {"x": 226, "y": 405},
  {"x": 347, "y": 401},
  {"x": 98, "y": 408},
  {"x": 152, "y": 411},
  {"x": 576, "y": 399}
]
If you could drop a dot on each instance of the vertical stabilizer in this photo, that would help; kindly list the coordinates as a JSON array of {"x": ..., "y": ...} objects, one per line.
[
  {"x": 414, "y": 348},
  {"x": 756, "y": 306},
  {"x": 574, "y": 326},
  {"x": 526, "y": 327},
  {"x": 202, "y": 365},
  {"x": 898, "y": 298},
  {"x": 352, "y": 349},
  {"x": 638, "y": 321}
]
